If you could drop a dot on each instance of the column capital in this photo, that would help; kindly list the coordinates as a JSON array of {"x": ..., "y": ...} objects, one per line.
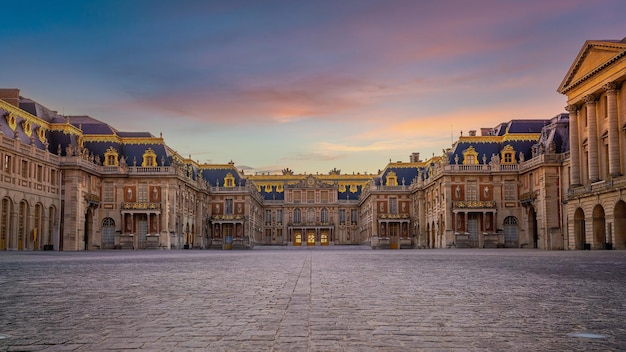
[
  {"x": 611, "y": 87},
  {"x": 572, "y": 108},
  {"x": 590, "y": 99}
]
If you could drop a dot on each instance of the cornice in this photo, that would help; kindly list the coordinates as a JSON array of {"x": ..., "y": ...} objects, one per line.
[{"x": 17, "y": 112}]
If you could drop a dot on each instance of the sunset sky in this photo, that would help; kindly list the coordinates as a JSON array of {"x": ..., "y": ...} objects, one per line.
[{"x": 310, "y": 85}]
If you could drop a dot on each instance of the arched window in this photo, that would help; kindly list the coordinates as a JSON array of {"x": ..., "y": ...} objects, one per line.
[
  {"x": 111, "y": 157},
  {"x": 229, "y": 180},
  {"x": 149, "y": 158},
  {"x": 470, "y": 156},
  {"x": 508, "y": 155},
  {"x": 392, "y": 179}
]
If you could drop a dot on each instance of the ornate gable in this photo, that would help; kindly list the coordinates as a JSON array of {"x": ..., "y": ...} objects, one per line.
[{"x": 592, "y": 58}]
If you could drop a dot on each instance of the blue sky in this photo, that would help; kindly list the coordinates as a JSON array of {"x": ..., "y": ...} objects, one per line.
[{"x": 309, "y": 85}]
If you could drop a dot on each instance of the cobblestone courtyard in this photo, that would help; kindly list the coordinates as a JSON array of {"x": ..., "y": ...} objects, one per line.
[{"x": 340, "y": 299}]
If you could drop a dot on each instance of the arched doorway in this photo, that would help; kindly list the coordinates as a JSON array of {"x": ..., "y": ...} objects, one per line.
[
  {"x": 310, "y": 239},
  {"x": 324, "y": 238},
  {"x": 620, "y": 225},
  {"x": 579, "y": 229},
  {"x": 297, "y": 238},
  {"x": 4, "y": 223},
  {"x": 108, "y": 233},
  {"x": 88, "y": 228},
  {"x": 511, "y": 238},
  {"x": 532, "y": 227},
  {"x": 599, "y": 227}
]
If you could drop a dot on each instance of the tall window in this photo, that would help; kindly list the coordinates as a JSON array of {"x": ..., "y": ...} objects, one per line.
[
  {"x": 393, "y": 205},
  {"x": 297, "y": 196},
  {"x": 310, "y": 196},
  {"x": 510, "y": 190},
  {"x": 297, "y": 216},
  {"x": 108, "y": 195},
  {"x": 7, "y": 163},
  {"x": 228, "y": 207},
  {"x": 324, "y": 215},
  {"x": 24, "y": 168},
  {"x": 354, "y": 216},
  {"x": 268, "y": 216},
  {"x": 471, "y": 191},
  {"x": 324, "y": 196},
  {"x": 279, "y": 216},
  {"x": 142, "y": 193},
  {"x": 342, "y": 216}
]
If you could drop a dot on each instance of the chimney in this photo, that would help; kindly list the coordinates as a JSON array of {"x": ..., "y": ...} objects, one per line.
[
  {"x": 11, "y": 96},
  {"x": 414, "y": 158},
  {"x": 485, "y": 131},
  {"x": 472, "y": 133}
]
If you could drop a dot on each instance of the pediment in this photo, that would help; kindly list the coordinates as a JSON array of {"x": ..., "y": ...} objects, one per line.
[{"x": 592, "y": 58}]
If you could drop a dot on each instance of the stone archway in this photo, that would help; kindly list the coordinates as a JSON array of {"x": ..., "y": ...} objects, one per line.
[
  {"x": 579, "y": 229},
  {"x": 599, "y": 227},
  {"x": 620, "y": 225}
]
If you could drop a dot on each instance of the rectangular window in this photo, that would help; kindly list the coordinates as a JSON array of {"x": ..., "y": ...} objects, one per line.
[
  {"x": 142, "y": 193},
  {"x": 354, "y": 216},
  {"x": 24, "y": 168},
  {"x": 228, "y": 207},
  {"x": 296, "y": 196},
  {"x": 310, "y": 196},
  {"x": 324, "y": 196},
  {"x": 39, "y": 173},
  {"x": 108, "y": 195},
  {"x": 393, "y": 205},
  {"x": 342, "y": 216},
  {"x": 53, "y": 177},
  {"x": 268, "y": 216},
  {"x": 471, "y": 192},
  {"x": 279, "y": 216},
  {"x": 510, "y": 190},
  {"x": 7, "y": 163}
]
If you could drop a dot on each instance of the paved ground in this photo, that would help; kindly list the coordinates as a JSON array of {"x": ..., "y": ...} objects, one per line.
[{"x": 313, "y": 300}]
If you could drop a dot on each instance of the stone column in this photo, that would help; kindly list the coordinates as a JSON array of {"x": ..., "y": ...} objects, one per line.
[
  {"x": 613, "y": 132},
  {"x": 592, "y": 137},
  {"x": 574, "y": 145}
]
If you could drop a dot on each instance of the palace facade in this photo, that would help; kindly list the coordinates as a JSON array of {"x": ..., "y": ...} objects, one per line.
[{"x": 77, "y": 183}]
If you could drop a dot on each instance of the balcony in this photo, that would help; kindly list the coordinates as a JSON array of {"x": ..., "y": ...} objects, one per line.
[
  {"x": 393, "y": 216},
  {"x": 474, "y": 204},
  {"x": 141, "y": 206}
]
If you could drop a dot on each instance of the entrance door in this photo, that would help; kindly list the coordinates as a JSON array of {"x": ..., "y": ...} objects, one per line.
[
  {"x": 142, "y": 230},
  {"x": 472, "y": 228},
  {"x": 297, "y": 239},
  {"x": 324, "y": 238},
  {"x": 394, "y": 236},
  {"x": 310, "y": 239},
  {"x": 510, "y": 232},
  {"x": 108, "y": 233}
]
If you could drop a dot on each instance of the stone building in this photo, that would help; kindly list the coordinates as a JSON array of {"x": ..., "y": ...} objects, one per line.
[
  {"x": 595, "y": 213},
  {"x": 77, "y": 183}
]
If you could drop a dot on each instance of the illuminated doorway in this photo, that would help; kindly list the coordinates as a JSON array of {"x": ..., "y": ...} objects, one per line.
[
  {"x": 297, "y": 239},
  {"x": 310, "y": 239}
]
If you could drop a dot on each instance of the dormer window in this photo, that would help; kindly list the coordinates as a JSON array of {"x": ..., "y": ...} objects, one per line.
[
  {"x": 229, "y": 180},
  {"x": 111, "y": 157},
  {"x": 470, "y": 156},
  {"x": 392, "y": 179},
  {"x": 149, "y": 158},
  {"x": 508, "y": 155}
]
